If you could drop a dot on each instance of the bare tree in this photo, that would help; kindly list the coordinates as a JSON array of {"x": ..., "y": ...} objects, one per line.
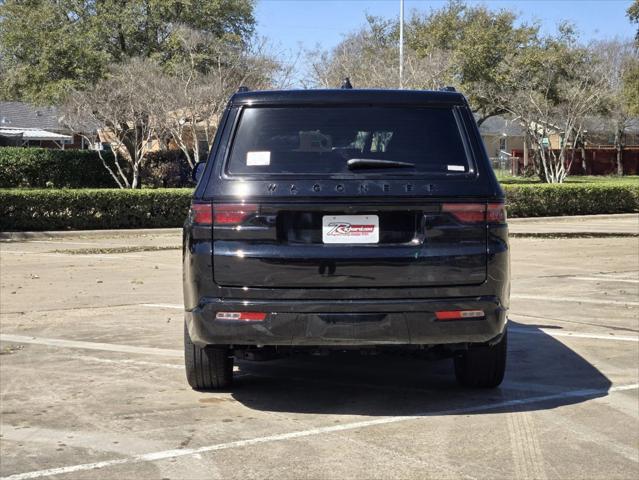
[
  {"x": 196, "y": 90},
  {"x": 119, "y": 109},
  {"x": 555, "y": 86},
  {"x": 370, "y": 58}
]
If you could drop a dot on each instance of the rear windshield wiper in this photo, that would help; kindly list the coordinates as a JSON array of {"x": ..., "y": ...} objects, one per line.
[{"x": 357, "y": 163}]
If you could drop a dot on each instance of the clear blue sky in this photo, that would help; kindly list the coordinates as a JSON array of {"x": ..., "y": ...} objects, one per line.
[{"x": 290, "y": 23}]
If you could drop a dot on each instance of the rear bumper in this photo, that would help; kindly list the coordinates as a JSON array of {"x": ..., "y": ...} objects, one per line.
[{"x": 347, "y": 322}]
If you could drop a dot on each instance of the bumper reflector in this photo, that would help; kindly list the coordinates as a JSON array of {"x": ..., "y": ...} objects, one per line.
[
  {"x": 459, "y": 314},
  {"x": 241, "y": 316}
]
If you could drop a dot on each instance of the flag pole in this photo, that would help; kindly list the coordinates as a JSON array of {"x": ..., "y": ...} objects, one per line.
[{"x": 401, "y": 44}]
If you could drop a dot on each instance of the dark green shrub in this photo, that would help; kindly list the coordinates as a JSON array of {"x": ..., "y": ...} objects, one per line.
[
  {"x": 166, "y": 169},
  {"x": 85, "y": 209},
  {"x": 153, "y": 208},
  {"x": 546, "y": 200},
  {"x": 46, "y": 168}
]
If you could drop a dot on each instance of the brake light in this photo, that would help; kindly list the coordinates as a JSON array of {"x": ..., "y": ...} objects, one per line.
[
  {"x": 232, "y": 213},
  {"x": 476, "y": 212},
  {"x": 202, "y": 213},
  {"x": 496, "y": 213},
  {"x": 466, "y": 212},
  {"x": 241, "y": 316},
  {"x": 459, "y": 314}
]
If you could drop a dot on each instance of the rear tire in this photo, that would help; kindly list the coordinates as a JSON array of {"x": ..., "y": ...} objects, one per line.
[
  {"x": 482, "y": 366},
  {"x": 207, "y": 368}
]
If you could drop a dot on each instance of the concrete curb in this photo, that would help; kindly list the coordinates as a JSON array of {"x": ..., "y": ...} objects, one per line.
[
  {"x": 557, "y": 235},
  {"x": 87, "y": 233},
  {"x": 569, "y": 218}
]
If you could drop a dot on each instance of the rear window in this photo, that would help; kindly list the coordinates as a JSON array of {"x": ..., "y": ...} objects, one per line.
[{"x": 321, "y": 140}]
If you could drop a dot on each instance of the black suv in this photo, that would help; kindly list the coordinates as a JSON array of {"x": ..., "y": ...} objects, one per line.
[{"x": 346, "y": 219}]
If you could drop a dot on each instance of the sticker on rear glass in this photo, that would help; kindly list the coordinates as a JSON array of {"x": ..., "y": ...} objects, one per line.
[
  {"x": 456, "y": 168},
  {"x": 258, "y": 159}
]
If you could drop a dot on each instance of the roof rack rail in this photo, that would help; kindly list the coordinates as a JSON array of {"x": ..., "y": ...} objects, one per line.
[
  {"x": 346, "y": 84},
  {"x": 242, "y": 89},
  {"x": 447, "y": 89}
]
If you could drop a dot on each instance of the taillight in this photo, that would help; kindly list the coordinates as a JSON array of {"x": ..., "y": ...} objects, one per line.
[
  {"x": 476, "y": 212},
  {"x": 458, "y": 314},
  {"x": 496, "y": 213},
  {"x": 232, "y": 213},
  {"x": 241, "y": 316},
  {"x": 466, "y": 212},
  {"x": 202, "y": 213}
]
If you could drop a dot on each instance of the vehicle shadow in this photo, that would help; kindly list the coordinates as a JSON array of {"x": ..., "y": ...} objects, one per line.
[{"x": 542, "y": 373}]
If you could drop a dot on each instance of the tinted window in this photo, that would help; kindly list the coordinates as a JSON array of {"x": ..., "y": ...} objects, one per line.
[{"x": 320, "y": 140}]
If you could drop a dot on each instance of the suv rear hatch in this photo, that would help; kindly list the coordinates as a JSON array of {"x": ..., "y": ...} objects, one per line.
[
  {"x": 376, "y": 240},
  {"x": 284, "y": 246}
]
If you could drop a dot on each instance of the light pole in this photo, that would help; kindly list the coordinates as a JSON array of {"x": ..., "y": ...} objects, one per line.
[{"x": 401, "y": 44}]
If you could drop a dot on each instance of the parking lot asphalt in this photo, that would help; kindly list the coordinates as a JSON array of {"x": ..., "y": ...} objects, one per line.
[{"x": 92, "y": 382}]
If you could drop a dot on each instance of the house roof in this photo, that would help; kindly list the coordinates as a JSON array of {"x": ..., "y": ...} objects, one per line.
[
  {"x": 501, "y": 125},
  {"x": 27, "y": 116},
  {"x": 33, "y": 134}
]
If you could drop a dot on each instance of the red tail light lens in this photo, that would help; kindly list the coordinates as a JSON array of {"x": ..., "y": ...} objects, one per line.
[
  {"x": 459, "y": 314},
  {"x": 476, "y": 212},
  {"x": 466, "y": 212},
  {"x": 496, "y": 213},
  {"x": 232, "y": 213},
  {"x": 241, "y": 316},
  {"x": 202, "y": 213}
]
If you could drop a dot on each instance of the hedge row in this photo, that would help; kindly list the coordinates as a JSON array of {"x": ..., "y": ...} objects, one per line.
[
  {"x": 43, "y": 167},
  {"x": 112, "y": 208},
  {"x": 546, "y": 200},
  {"x": 87, "y": 209}
]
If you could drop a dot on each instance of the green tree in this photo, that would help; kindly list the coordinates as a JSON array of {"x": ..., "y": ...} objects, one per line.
[
  {"x": 631, "y": 75},
  {"x": 459, "y": 45},
  {"x": 633, "y": 15},
  {"x": 631, "y": 88},
  {"x": 48, "y": 47},
  {"x": 144, "y": 28},
  {"x": 478, "y": 41},
  {"x": 554, "y": 85},
  {"x": 619, "y": 60}
]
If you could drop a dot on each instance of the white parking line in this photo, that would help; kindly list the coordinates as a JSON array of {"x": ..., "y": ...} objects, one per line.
[
  {"x": 163, "y": 305},
  {"x": 128, "y": 362},
  {"x": 548, "y": 298},
  {"x": 111, "y": 347},
  {"x": 555, "y": 333},
  {"x": 101, "y": 256},
  {"x": 61, "y": 242},
  {"x": 604, "y": 279},
  {"x": 184, "y": 452},
  {"x": 142, "y": 363}
]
